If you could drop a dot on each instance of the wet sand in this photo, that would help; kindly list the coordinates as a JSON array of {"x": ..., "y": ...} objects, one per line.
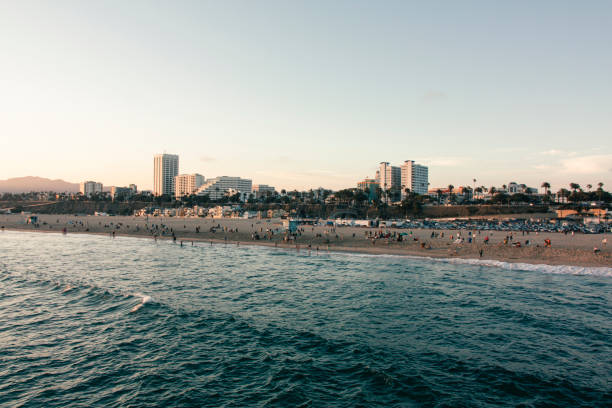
[{"x": 565, "y": 250}]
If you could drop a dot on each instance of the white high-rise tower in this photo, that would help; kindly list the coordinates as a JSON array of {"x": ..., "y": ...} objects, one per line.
[{"x": 165, "y": 169}]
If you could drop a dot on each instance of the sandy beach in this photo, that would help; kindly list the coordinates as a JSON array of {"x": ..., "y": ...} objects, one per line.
[{"x": 567, "y": 249}]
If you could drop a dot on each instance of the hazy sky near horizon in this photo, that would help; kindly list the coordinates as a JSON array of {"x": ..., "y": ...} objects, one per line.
[{"x": 307, "y": 94}]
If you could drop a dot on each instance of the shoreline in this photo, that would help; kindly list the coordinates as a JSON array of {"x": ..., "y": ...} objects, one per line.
[{"x": 414, "y": 253}]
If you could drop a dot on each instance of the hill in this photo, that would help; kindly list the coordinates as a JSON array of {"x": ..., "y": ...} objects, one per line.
[{"x": 29, "y": 183}]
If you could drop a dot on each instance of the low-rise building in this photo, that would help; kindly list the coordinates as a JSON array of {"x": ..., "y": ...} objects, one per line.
[
  {"x": 89, "y": 188},
  {"x": 121, "y": 192},
  {"x": 367, "y": 183},
  {"x": 263, "y": 190}
]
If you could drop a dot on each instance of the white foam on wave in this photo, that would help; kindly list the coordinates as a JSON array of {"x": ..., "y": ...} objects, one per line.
[
  {"x": 517, "y": 266},
  {"x": 521, "y": 266},
  {"x": 144, "y": 299},
  {"x": 68, "y": 288}
]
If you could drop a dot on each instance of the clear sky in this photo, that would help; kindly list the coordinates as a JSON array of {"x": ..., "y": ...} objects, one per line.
[{"x": 301, "y": 94}]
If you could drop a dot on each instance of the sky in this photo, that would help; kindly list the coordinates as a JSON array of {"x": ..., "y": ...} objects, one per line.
[{"x": 302, "y": 94}]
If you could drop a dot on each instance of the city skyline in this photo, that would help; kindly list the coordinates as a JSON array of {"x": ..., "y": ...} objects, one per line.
[
  {"x": 468, "y": 183},
  {"x": 306, "y": 95}
]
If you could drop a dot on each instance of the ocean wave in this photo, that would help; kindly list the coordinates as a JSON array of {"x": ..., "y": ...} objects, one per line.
[
  {"x": 555, "y": 269},
  {"x": 517, "y": 266},
  {"x": 68, "y": 288},
  {"x": 144, "y": 299}
]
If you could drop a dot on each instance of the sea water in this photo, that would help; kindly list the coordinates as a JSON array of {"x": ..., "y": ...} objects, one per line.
[{"x": 92, "y": 321}]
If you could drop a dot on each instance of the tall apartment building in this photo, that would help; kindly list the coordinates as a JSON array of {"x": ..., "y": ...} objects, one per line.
[
  {"x": 414, "y": 177},
  {"x": 216, "y": 187},
  {"x": 165, "y": 169},
  {"x": 187, "y": 184},
  {"x": 88, "y": 188}
]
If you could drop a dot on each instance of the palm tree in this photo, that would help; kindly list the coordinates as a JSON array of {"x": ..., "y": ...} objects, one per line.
[
  {"x": 439, "y": 192},
  {"x": 589, "y": 187},
  {"x": 574, "y": 186},
  {"x": 600, "y": 190},
  {"x": 563, "y": 193},
  {"x": 546, "y": 187},
  {"x": 492, "y": 190}
]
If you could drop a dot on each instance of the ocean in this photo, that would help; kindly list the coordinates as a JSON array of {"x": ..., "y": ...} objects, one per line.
[{"x": 91, "y": 321}]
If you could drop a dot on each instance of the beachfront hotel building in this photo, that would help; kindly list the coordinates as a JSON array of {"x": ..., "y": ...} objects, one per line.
[
  {"x": 187, "y": 184},
  {"x": 89, "y": 188},
  {"x": 216, "y": 188},
  {"x": 414, "y": 177},
  {"x": 165, "y": 169}
]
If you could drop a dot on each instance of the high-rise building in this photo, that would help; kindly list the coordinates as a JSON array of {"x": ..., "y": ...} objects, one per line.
[
  {"x": 216, "y": 187},
  {"x": 414, "y": 177},
  {"x": 165, "y": 168},
  {"x": 389, "y": 179},
  {"x": 187, "y": 184},
  {"x": 88, "y": 188}
]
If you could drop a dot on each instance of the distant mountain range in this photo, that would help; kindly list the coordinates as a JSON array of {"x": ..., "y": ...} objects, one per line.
[{"x": 27, "y": 184}]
